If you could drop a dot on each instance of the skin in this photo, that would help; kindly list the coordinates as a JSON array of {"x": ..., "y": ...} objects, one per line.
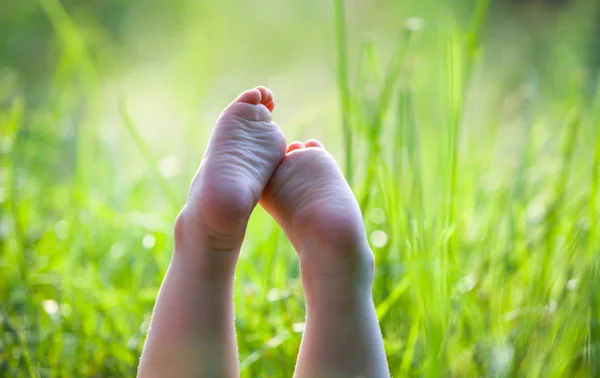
[
  {"x": 313, "y": 204},
  {"x": 192, "y": 331}
]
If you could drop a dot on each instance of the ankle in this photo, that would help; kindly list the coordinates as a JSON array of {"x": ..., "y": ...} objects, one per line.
[
  {"x": 351, "y": 276},
  {"x": 355, "y": 263},
  {"x": 198, "y": 252},
  {"x": 191, "y": 231},
  {"x": 336, "y": 293}
]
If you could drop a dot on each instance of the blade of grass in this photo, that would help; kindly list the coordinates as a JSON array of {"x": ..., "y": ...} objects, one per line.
[
  {"x": 477, "y": 22},
  {"x": 592, "y": 355},
  {"x": 77, "y": 58},
  {"x": 71, "y": 39},
  {"x": 343, "y": 85},
  {"x": 32, "y": 370},
  {"x": 554, "y": 214},
  {"x": 455, "y": 73},
  {"x": 384, "y": 307},
  {"x": 411, "y": 342},
  {"x": 11, "y": 127},
  {"x": 381, "y": 108},
  {"x": 413, "y": 149},
  {"x": 460, "y": 70},
  {"x": 593, "y": 205},
  {"x": 367, "y": 76},
  {"x": 520, "y": 186},
  {"x": 148, "y": 157}
]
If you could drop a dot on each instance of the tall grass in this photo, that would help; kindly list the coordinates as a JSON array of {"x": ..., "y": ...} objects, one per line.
[{"x": 482, "y": 214}]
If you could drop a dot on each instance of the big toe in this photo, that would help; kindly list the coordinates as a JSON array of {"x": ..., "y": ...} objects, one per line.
[{"x": 253, "y": 105}]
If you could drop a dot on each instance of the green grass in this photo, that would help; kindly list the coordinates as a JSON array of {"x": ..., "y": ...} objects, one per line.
[{"x": 477, "y": 168}]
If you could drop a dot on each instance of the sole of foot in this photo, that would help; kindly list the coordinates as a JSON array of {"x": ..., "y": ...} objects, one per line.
[
  {"x": 312, "y": 202},
  {"x": 244, "y": 150}
]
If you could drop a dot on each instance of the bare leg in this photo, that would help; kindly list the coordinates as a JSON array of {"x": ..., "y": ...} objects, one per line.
[
  {"x": 192, "y": 331},
  {"x": 312, "y": 202}
]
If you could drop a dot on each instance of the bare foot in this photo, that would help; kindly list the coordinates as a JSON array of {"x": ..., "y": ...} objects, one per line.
[
  {"x": 310, "y": 199},
  {"x": 243, "y": 152},
  {"x": 192, "y": 330}
]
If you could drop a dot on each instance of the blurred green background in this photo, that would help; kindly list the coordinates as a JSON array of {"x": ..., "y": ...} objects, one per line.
[{"x": 469, "y": 130}]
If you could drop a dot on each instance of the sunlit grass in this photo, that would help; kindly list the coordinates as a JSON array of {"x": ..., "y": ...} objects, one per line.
[{"x": 480, "y": 199}]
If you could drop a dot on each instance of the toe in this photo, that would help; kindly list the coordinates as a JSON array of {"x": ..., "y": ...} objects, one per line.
[
  {"x": 251, "y": 96},
  {"x": 258, "y": 95},
  {"x": 294, "y": 146},
  {"x": 313, "y": 143},
  {"x": 267, "y": 98}
]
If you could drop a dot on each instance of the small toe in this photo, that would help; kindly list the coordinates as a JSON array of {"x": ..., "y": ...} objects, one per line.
[
  {"x": 294, "y": 146},
  {"x": 313, "y": 143},
  {"x": 267, "y": 98}
]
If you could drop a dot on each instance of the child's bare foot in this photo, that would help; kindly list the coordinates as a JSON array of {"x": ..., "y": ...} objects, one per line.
[
  {"x": 243, "y": 152},
  {"x": 192, "y": 331},
  {"x": 309, "y": 197}
]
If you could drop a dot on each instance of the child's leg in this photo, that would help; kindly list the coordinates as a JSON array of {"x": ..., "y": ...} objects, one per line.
[
  {"x": 192, "y": 331},
  {"x": 312, "y": 202}
]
